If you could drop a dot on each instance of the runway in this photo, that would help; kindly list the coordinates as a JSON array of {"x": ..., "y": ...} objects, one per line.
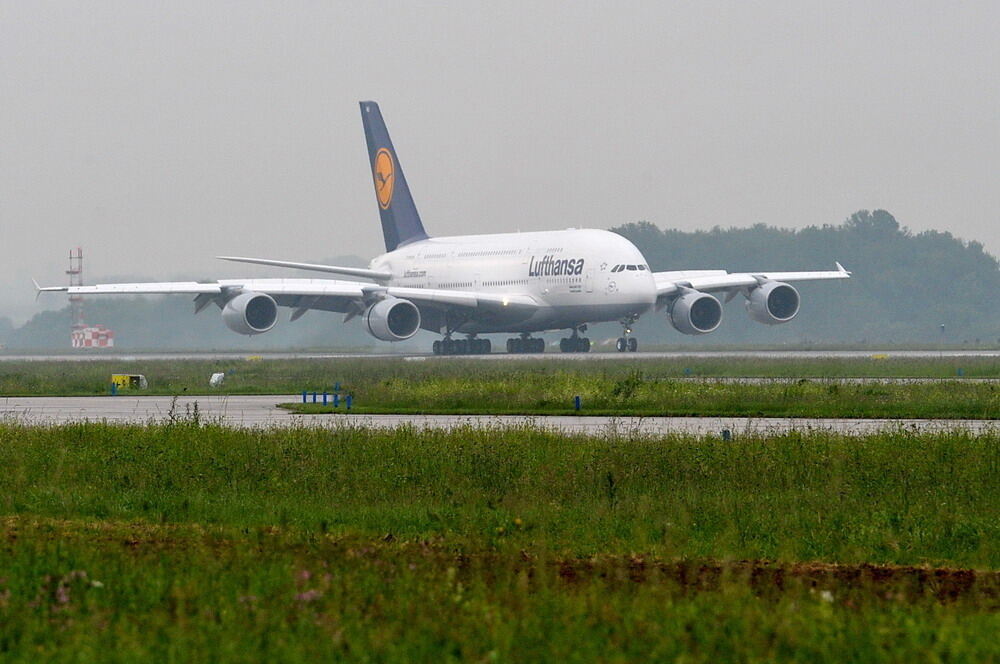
[
  {"x": 261, "y": 412},
  {"x": 552, "y": 354}
]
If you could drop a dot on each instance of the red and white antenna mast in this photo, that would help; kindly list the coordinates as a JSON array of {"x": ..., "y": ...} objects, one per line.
[
  {"x": 75, "y": 273},
  {"x": 82, "y": 335}
]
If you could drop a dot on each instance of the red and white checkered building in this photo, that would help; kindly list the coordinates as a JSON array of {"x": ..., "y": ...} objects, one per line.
[{"x": 93, "y": 336}]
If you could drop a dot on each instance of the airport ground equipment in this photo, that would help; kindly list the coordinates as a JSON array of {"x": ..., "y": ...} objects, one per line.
[{"x": 124, "y": 382}]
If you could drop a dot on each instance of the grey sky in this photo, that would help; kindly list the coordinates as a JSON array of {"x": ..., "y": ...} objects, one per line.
[{"x": 158, "y": 135}]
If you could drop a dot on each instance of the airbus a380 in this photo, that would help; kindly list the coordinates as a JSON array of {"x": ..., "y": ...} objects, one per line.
[{"x": 464, "y": 286}]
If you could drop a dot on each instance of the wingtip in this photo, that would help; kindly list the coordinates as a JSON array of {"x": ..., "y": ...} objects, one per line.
[{"x": 840, "y": 268}]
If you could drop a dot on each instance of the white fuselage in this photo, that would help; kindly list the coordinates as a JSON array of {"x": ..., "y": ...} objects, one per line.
[{"x": 571, "y": 273}]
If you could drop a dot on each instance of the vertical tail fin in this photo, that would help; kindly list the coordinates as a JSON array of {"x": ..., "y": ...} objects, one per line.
[{"x": 400, "y": 220}]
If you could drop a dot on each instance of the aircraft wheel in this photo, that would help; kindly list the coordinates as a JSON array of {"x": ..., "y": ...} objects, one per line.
[
  {"x": 621, "y": 344},
  {"x": 633, "y": 344},
  {"x": 487, "y": 347},
  {"x": 510, "y": 345},
  {"x": 540, "y": 345},
  {"x": 584, "y": 345},
  {"x": 436, "y": 346}
]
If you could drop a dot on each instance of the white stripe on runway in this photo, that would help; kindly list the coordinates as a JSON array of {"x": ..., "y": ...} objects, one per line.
[{"x": 261, "y": 411}]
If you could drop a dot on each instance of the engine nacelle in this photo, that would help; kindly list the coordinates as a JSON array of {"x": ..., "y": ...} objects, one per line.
[
  {"x": 696, "y": 313},
  {"x": 393, "y": 319},
  {"x": 773, "y": 302},
  {"x": 250, "y": 313}
]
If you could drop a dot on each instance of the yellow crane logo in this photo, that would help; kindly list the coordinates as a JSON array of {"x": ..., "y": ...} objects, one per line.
[{"x": 385, "y": 171}]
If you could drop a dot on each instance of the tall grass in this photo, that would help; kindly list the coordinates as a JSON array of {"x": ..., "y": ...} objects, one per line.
[
  {"x": 890, "y": 497},
  {"x": 192, "y": 542}
]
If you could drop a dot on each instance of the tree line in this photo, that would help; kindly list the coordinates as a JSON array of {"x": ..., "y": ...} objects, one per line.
[
  {"x": 927, "y": 287},
  {"x": 905, "y": 285}
]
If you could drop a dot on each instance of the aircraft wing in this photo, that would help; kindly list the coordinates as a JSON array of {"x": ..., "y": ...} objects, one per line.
[
  {"x": 364, "y": 273},
  {"x": 669, "y": 283},
  {"x": 304, "y": 294}
]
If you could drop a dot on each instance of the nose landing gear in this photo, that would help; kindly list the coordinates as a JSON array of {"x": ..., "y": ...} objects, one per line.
[{"x": 625, "y": 342}]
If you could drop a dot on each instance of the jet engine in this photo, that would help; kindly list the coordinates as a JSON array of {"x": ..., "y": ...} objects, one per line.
[
  {"x": 773, "y": 302},
  {"x": 250, "y": 313},
  {"x": 695, "y": 312},
  {"x": 393, "y": 319}
]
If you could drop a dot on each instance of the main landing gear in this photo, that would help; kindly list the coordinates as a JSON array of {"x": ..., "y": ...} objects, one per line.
[
  {"x": 575, "y": 343},
  {"x": 525, "y": 344},
  {"x": 470, "y": 346},
  {"x": 626, "y": 343}
]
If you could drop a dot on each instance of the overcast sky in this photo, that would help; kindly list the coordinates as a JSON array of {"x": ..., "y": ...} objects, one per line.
[{"x": 160, "y": 134}]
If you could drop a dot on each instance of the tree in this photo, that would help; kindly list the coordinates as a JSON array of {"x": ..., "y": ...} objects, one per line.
[{"x": 904, "y": 287}]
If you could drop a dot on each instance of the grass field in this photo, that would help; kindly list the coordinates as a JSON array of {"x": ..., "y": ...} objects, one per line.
[
  {"x": 282, "y": 376},
  {"x": 191, "y": 542},
  {"x": 626, "y": 387},
  {"x": 639, "y": 395}
]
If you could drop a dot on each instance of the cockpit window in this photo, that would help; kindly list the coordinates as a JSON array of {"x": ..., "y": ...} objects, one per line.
[
  {"x": 643, "y": 268},
  {"x": 617, "y": 268},
  {"x": 631, "y": 268}
]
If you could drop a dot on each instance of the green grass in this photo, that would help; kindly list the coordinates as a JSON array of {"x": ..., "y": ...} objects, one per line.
[
  {"x": 190, "y": 542},
  {"x": 796, "y": 496},
  {"x": 628, "y": 387},
  {"x": 129, "y": 592},
  {"x": 638, "y": 395},
  {"x": 364, "y": 375},
  {"x": 888, "y": 498}
]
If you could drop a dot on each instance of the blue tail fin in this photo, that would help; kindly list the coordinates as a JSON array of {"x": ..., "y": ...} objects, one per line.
[{"x": 400, "y": 221}]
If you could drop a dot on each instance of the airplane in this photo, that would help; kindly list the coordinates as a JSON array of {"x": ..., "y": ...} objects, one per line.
[{"x": 462, "y": 287}]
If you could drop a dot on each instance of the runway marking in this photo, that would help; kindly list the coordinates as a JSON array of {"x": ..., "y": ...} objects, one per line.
[{"x": 576, "y": 357}]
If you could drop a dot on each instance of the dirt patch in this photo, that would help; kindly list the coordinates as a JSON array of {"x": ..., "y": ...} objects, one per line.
[
  {"x": 900, "y": 582},
  {"x": 843, "y": 583}
]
